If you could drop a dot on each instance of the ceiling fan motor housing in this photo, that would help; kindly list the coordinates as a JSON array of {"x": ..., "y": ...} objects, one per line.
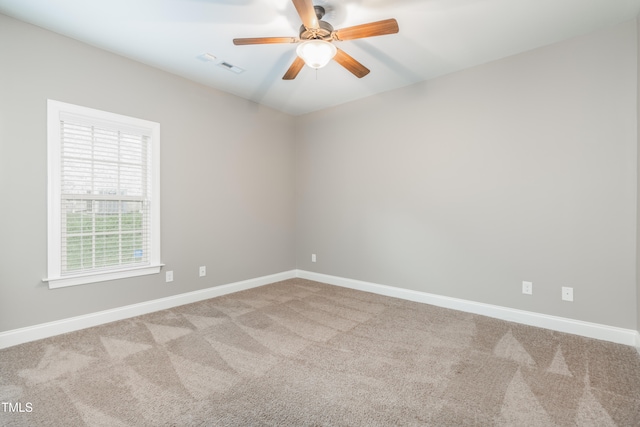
[{"x": 324, "y": 30}]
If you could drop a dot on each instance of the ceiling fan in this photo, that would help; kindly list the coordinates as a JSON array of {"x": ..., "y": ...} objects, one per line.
[{"x": 316, "y": 39}]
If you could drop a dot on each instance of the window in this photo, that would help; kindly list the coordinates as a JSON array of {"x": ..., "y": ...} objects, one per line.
[{"x": 104, "y": 204}]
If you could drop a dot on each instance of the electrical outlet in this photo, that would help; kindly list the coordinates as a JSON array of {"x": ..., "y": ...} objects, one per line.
[
  {"x": 169, "y": 276},
  {"x": 203, "y": 271},
  {"x": 527, "y": 288},
  {"x": 567, "y": 293},
  {"x": 313, "y": 257}
]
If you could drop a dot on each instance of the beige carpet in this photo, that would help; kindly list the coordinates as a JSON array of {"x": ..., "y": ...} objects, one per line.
[{"x": 302, "y": 353}]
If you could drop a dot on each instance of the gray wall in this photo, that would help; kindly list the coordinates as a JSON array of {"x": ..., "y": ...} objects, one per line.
[
  {"x": 466, "y": 185},
  {"x": 227, "y": 175},
  {"x": 638, "y": 197}
]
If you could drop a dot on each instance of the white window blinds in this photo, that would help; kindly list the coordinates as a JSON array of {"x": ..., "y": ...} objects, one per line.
[
  {"x": 105, "y": 177},
  {"x": 103, "y": 195}
]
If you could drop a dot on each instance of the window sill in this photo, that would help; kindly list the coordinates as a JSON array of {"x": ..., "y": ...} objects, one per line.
[{"x": 61, "y": 282}]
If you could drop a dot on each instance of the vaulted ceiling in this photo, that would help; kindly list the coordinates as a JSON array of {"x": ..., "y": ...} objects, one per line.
[{"x": 436, "y": 37}]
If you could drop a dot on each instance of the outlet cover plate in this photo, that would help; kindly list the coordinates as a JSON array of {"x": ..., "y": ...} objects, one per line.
[
  {"x": 567, "y": 293},
  {"x": 527, "y": 288}
]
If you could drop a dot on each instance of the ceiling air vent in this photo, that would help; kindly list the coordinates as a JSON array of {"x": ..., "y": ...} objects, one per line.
[{"x": 230, "y": 67}]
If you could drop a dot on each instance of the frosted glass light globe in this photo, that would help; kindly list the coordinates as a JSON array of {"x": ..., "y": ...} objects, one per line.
[{"x": 316, "y": 53}]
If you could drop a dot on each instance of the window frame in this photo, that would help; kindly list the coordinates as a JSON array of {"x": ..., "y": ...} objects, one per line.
[{"x": 56, "y": 279}]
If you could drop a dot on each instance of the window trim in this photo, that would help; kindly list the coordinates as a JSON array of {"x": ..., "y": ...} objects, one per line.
[{"x": 56, "y": 109}]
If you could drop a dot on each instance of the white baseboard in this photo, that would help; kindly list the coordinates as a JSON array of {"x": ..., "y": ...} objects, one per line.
[
  {"x": 560, "y": 324},
  {"x": 45, "y": 330}
]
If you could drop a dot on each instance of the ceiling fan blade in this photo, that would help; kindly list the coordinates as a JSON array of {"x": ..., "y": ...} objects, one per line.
[
  {"x": 378, "y": 28},
  {"x": 347, "y": 61},
  {"x": 265, "y": 40},
  {"x": 294, "y": 69},
  {"x": 307, "y": 13}
]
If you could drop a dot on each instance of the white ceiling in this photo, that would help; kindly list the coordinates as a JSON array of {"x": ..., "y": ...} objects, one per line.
[{"x": 436, "y": 37}]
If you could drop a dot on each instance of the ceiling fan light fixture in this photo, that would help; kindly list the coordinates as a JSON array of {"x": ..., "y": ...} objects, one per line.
[{"x": 316, "y": 53}]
